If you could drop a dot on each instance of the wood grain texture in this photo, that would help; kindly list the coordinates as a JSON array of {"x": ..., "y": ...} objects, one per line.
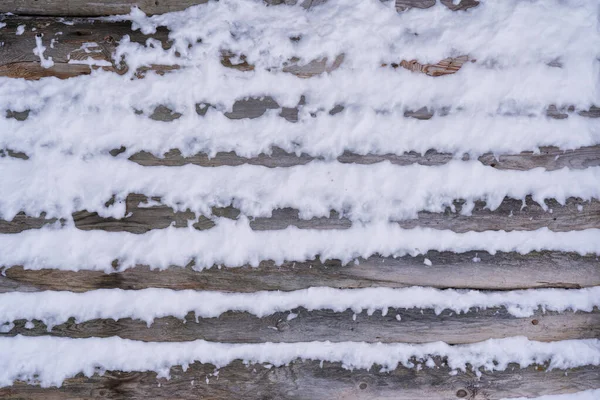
[
  {"x": 510, "y": 215},
  {"x": 80, "y": 8},
  {"x": 65, "y": 45},
  {"x": 97, "y": 8},
  {"x": 474, "y": 270},
  {"x": 550, "y": 158},
  {"x": 415, "y": 326},
  {"x": 447, "y": 66},
  {"x": 313, "y": 380}
]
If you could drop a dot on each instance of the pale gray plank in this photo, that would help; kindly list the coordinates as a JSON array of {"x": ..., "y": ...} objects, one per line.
[
  {"x": 313, "y": 380},
  {"x": 474, "y": 270},
  {"x": 415, "y": 326}
]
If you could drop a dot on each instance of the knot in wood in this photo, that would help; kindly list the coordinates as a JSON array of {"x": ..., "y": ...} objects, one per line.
[
  {"x": 461, "y": 393},
  {"x": 282, "y": 325}
]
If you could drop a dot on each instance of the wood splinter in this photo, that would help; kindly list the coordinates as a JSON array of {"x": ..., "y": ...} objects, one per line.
[{"x": 447, "y": 66}]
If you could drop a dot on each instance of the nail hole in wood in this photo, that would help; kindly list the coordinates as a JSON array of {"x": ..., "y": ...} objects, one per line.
[{"x": 535, "y": 322}]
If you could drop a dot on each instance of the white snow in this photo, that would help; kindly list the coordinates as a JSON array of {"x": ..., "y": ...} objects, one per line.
[
  {"x": 234, "y": 243},
  {"x": 361, "y": 192},
  {"x": 55, "y": 308},
  {"x": 584, "y": 395},
  {"x": 39, "y": 51},
  {"x": 495, "y": 104},
  {"x": 91, "y": 62},
  {"x": 50, "y": 360},
  {"x": 511, "y": 76}
]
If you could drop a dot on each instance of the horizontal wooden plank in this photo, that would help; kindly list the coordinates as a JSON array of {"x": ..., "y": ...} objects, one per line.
[
  {"x": 314, "y": 380},
  {"x": 550, "y": 158},
  {"x": 414, "y": 326},
  {"x": 72, "y": 45},
  {"x": 476, "y": 270},
  {"x": 80, "y": 8},
  {"x": 510, "y": 215}
]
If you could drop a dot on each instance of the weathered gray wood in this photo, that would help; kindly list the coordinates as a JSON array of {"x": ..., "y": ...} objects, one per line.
[
  {"x": 64, "y": 44},
  {"x": 415, "y": 326},
  {"x": 510, "y": 215},
  {"x": 404, "y": 5},
  {"x": 80, "y": 8},
  {"x": 550, "y": 158},
  {"x": 313, "y": 380},
  {"x": 475, "y": 270},
  {"x": 18, "y": 61}
]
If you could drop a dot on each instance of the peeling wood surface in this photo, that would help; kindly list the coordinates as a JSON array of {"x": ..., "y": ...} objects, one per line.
[
  {"x": 414, "y": 326},
  {"x": 446, "y": 66},
  {"x": 471, "y": 270},
  {"x": 511, "y": 215},
  {"x": 311, "y": 380}
]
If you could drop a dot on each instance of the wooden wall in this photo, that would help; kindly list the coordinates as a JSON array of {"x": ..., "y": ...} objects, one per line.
[{"x": 302, "y": 379}]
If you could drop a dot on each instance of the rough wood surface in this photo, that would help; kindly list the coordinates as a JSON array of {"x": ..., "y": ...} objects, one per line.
[
  {"x": 475, "y": 270},
  {"x": 550, "y": 158},
  {"x": 446, "y": 66},
  {"x": 415, "y": 326},
  {"x": 88, "y": 39},
  {"x": 312, "y": 380},
  {"x": 80, "y": 8},
  {"x": 65, "y": 43},
  {"x": 510, "y": 215}
]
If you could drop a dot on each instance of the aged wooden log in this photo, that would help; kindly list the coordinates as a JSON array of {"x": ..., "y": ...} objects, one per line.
[
  {"x": 70, "y": 46},
  {"x": 550, "y": 158},
  {"x": 510, "y": 215},
  {"x": 74, "y": 45},
  {"x": 80, "y": 8},
  {"x": 399, "y": 325},
  {"x": 315, "y": 380},
  {"x": 475, "y": 270}
]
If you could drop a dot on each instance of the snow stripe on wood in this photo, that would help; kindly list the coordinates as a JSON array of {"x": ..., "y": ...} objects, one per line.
[
  {"x": 94, "y": 355},
  {"x": 377, "y": 192},
  {"x": 53, "y": 308}
]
